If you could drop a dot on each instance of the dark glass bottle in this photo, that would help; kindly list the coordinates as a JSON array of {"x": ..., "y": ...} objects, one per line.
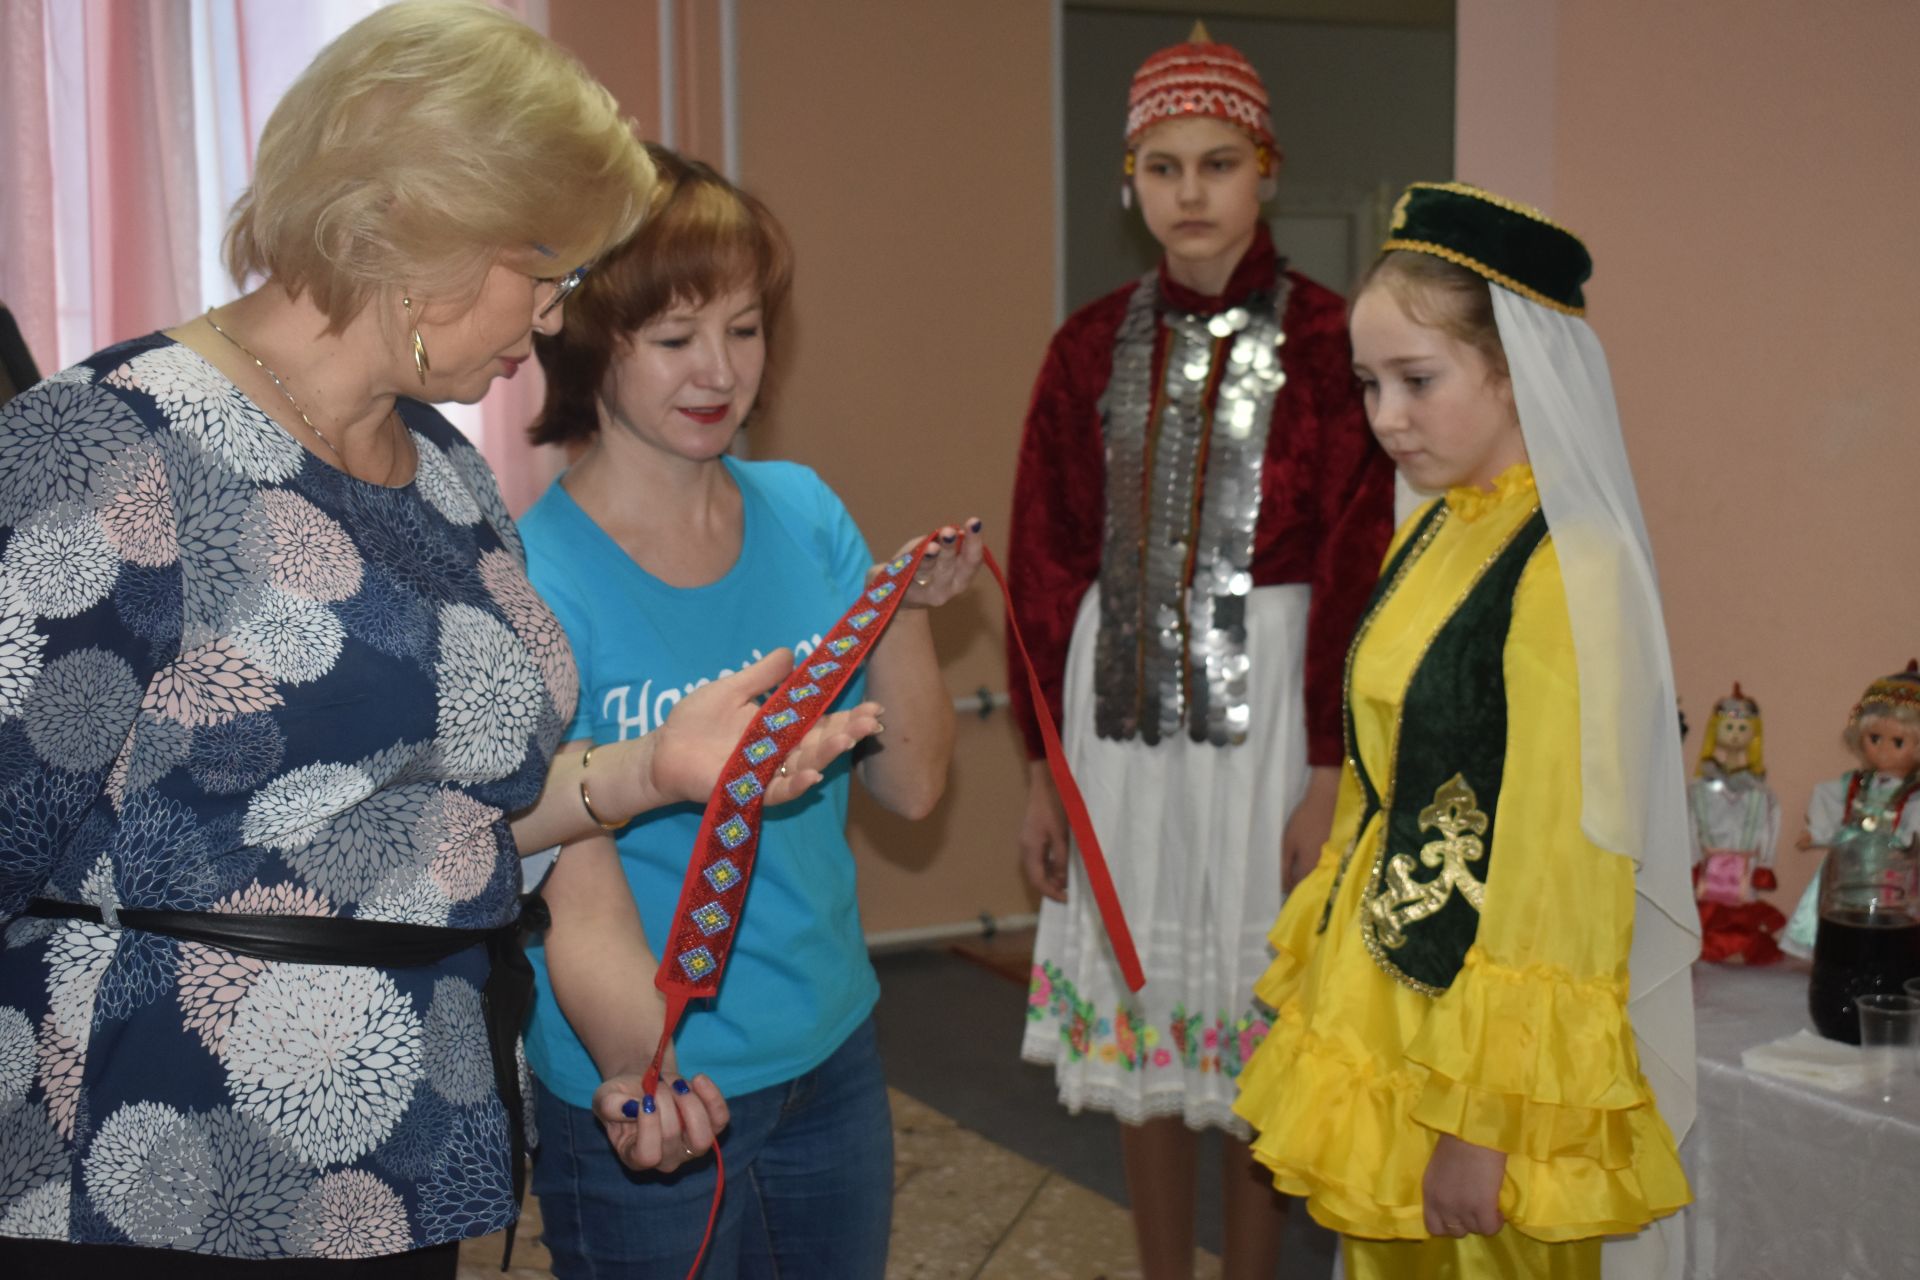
[
  {"x": 1869, "y": 935},
  {"x": 1856, "y": 953}
]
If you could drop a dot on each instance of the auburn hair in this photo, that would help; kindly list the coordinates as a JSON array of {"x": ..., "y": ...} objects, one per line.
[{"x": 701, "y": 238}]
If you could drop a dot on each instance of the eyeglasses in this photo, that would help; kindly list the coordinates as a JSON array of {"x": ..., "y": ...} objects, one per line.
[{"x": 563, "y": 287}]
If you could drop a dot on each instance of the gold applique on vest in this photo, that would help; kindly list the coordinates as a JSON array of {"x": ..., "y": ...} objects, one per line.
[{"x": 1398, "y": 899}]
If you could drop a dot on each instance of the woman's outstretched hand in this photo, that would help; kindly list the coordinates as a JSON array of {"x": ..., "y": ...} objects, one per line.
[
  {"x": 948, "y": 568},
  {"x": 696, "y": 742}
]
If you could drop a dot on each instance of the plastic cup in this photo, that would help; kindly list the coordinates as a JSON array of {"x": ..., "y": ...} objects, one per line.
[{"x": 1890, "y": 1041}]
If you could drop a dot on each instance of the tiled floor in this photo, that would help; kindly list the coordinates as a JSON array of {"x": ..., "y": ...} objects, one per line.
[{"x": 964, "y": 1209}]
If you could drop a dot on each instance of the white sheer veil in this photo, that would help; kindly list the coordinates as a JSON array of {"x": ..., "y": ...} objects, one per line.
[{"x": 1633, "y": 777}]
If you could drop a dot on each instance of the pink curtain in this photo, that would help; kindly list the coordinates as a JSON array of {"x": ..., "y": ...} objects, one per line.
[
  {"x": 26, "y": 197},
  {"x": 141, "y": 167},
  {"x": 129, "y": 127}
]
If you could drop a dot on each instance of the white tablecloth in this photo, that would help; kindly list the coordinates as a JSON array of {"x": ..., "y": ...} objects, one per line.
[{"x": 1792, "y": 1182}]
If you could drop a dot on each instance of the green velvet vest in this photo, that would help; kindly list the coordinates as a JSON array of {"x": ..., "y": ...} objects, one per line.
[{"x": 1421, "y": 907}]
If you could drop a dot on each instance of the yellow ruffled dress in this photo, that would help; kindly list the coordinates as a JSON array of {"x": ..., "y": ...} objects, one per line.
[{"x": 1529, "y": 1050}]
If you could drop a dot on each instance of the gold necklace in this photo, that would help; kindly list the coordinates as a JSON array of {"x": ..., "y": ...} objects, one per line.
[
  {"x": 392, "y": 413},
  {"x": 319, "y": 434}
]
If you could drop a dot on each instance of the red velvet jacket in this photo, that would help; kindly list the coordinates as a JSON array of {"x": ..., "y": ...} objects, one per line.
[{"x": 1326, "y": 507}]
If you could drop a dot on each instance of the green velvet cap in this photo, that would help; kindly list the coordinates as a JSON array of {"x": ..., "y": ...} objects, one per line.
[{"x": 1515, "y": 247}]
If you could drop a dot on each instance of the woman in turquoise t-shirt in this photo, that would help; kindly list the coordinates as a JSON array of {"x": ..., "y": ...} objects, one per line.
[{"x": 671, "y": 564}]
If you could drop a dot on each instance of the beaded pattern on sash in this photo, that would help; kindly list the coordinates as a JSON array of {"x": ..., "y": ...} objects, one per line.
[
  {"x": 713, "y": 892},
  {"x": 1183, "y": 499}
]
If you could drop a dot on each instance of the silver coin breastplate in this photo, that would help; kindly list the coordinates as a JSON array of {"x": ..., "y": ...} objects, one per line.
[{"x": 1183, "y": 499}]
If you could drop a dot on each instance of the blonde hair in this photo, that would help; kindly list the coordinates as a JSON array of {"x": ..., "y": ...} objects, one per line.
[
  {"x": 1904, "y": 714},
  {"x": 1440, "y": 295},
  {"x": 433, "y": 139},
  {"x": 1756, "y": 746}
]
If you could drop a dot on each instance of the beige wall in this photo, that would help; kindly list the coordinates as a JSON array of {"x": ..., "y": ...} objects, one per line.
[
  {"x": 1746, "y": 173},
  {"x": 908, "y": 148},
  {"x": 619, "y": 42}
]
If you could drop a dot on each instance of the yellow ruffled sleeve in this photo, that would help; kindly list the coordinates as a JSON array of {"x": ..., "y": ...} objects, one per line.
[{"x": 1530, "y": 1050}]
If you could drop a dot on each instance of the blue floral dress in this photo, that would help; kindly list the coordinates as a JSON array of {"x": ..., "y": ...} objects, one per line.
[{"x": 235, "y": 679}]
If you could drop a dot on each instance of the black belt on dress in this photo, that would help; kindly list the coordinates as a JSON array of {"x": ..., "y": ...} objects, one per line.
[{"x": 376, "y": 944}]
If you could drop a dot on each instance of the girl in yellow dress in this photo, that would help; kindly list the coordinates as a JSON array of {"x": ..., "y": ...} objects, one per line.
[{"x": 1453, "y": 1079}]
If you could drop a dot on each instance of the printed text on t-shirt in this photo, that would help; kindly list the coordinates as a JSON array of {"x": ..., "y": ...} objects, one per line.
[{"x": 641, "y": 715}]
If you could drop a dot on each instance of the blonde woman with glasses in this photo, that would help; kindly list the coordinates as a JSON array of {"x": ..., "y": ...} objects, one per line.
[{"x": 277, "y": 703}]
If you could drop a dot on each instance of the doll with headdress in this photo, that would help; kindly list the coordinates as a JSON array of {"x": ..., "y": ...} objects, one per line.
[
  {"x": 1736, "y": 822},
  {"x": 1877, "y": 801}
]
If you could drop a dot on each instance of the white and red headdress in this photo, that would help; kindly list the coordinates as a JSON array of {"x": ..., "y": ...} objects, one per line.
[{"x": 1199, "y": 78}]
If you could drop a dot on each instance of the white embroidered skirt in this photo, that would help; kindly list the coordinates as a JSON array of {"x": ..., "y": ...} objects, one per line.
[{"x": 1192, "y": 834}]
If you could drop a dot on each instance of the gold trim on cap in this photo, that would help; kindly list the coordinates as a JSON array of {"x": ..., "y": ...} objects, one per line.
[
  {"x": 1499, "y": 202},
  {"x": 1480, "y": 268}
]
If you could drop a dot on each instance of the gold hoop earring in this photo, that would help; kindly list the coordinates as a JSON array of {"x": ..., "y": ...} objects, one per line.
[{"x": 421, "y": 365}]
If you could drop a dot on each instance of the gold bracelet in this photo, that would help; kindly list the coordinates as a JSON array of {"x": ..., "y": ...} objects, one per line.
[{"x": 586, "y": 802}]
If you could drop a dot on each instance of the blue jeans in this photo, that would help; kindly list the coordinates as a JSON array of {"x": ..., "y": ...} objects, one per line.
[{"x": 809, "y": 1193}]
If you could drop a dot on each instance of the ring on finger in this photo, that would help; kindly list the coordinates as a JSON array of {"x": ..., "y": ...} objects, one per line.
[{"x": 783, "y": 769}]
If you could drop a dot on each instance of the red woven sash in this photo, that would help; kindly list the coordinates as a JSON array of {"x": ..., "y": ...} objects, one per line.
[{"x": 714, "y": 893}]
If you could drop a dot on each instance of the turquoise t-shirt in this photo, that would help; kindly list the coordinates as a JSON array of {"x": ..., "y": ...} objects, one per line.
[{"x": 799, "y": 981}]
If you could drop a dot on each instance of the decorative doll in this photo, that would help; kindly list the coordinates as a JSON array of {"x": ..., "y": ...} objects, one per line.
[
  {"x": 1736, "y": 819},
  {"x": 1871, "y": 802}
]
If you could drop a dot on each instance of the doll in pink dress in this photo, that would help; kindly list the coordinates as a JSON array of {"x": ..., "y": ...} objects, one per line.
[{"x": 1736, "y": 822}]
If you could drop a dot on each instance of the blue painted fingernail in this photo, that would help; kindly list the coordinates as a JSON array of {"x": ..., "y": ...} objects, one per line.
[
  {"x": 974, "y": 525},
  {"x": 630, "y": 1109},
  {"x": 646, "y": 1104},
  {"x": 946, "y": 537},
  {"x": 680, "y": 1086}
]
